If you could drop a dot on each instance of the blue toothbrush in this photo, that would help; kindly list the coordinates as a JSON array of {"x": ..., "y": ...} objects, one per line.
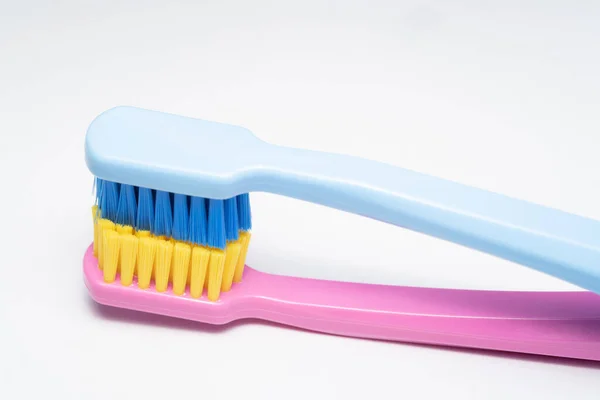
[{"x": 142, "y": 147}]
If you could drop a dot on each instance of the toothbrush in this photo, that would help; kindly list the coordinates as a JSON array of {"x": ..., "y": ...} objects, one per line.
[{"x": 173, "y": 219}]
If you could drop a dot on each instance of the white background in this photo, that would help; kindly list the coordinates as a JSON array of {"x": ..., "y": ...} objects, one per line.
[{"x": 502, "y": 97}]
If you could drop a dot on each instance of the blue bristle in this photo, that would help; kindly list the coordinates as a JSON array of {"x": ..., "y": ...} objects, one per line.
[
  {"x": 198, "y": 222},
  {"x": 109, "y": 200},
  {"x": 163, "y": 214},
  {"x": 98, "y": 186},
  {"x": 231, "y": 219},
  {"x": 180, "y": 217},
  {"x": 244, "y": 214},
  {"x": 126, "y": 211},
  {"x": 184, "y": 218},
  {"x": 216, "y": 224},
  {"x": 145, "y": 210}
]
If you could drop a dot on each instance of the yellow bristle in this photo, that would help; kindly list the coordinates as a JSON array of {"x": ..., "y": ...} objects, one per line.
[
  {"x": 162, "y": 264},
  {"x": 110, "y": 250},
  {"x": 198, "y": 267},
  {"x": 103, "y": 224},
  {"x": 128, "y": 250},
  {"x": 145, "y": 260},
  {"x": 139, "y": 235},
  {"x": 124, "y": 229},
  {"x": 232, "y": 254},
  {"x": 244, "y": 243},
  {"x": 174, "y": 242},
  {"x": 95, "y": 222},
  {"x": 180, "y": 266},
  {"x": 215, "y": 273}
]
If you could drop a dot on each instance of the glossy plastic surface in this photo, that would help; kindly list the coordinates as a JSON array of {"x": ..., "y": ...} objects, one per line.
[
  {"x": 209, "y": 159},
  {"x": 564, "y": 324}
]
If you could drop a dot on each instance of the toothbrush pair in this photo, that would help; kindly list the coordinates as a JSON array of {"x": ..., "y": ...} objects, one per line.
[{"x": 172, "y": 227}]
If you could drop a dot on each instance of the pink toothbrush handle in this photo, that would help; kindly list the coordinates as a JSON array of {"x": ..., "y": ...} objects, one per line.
[{"x": 564, "y": 324}]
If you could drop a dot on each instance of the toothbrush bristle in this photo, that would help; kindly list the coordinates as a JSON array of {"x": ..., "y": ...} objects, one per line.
[
  {"x": 216, "y": 224},
  {"x": 177, "y": 241},
  {"x": 244, "y": 213},
  {"x": 126, "y": 209},
  {"x": 145, "y": 210},
  {"x": 98, "y": 189},
  {"x": 231, "y": 220},
  {"x": 163, "y": 214},
  {"x": 180, "y": 217},
  {"x": 109, "y": 199},
  {"x": 198, "y": 221}
]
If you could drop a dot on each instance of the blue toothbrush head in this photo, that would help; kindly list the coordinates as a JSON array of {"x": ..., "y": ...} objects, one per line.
[{"x": 171, "y": 153}]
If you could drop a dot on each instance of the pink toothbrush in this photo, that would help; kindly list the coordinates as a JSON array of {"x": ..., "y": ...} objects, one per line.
[{"x": 563, "y": 324}]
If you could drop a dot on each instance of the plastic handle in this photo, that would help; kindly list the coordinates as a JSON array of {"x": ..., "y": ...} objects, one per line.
[
  {"x": 561, "y": 324},
  {"x": 551, "y": 241}
]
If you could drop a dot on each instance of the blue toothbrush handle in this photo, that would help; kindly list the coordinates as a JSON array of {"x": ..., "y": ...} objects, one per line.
[{"x": 564, "y": 245}]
